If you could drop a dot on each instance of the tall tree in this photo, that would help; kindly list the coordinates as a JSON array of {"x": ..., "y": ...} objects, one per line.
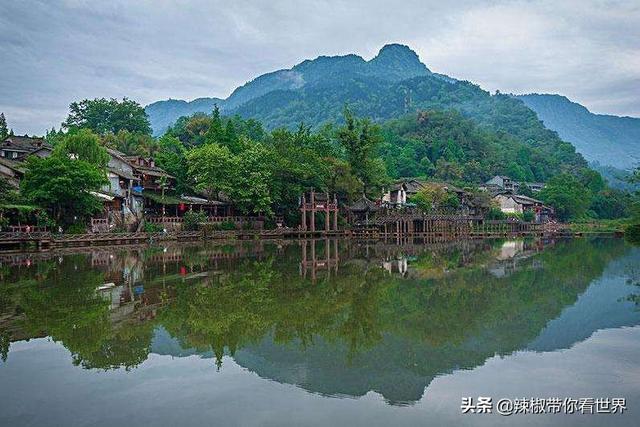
[
  {"x": 4, "y": 131},
  {"x": 216, "y": 133},
  {"x": 108, "y": 115},
  {"x": 360, "y": 139}
]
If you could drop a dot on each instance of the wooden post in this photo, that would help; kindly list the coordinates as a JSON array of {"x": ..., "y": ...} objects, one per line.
[
  {"x": 313, "y": 211},
  {"x": 326, "y": 214},
  {"x": 335, "y": 213},
  {"x": 304, "y": 213}
]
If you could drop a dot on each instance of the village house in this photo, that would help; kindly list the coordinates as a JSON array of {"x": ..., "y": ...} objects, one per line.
[
  {"x": 13, "y": 152},
  {"x": 504, "y": 184},
  {"x": 122, "y": 206},
  {"x": 400, "y": 194},
  {"x": 18, "y": 148},
  {"x": 517, "y": 204},
  {"x": 501, "y": 182},
  {"x": 362, "y": 210},
  {"x": 11, "y": 171},
  {"x": 161, "y": 204}
]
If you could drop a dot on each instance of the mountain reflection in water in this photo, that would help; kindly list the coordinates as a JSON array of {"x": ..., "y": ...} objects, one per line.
[{"x": 332, "y": 317}]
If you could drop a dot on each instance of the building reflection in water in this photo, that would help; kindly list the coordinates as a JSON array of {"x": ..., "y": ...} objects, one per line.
[{"x": 354, "y": 316}]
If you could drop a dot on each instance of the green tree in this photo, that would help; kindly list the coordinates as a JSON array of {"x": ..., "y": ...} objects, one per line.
[
  {"x": 83, "y": 145},
  {"x": 567, "y": 195},
  {"x": 429, "y": 197},
  {"x": 216, "y": 133},
  {"x": 108, "y": 115},
  {"x": 213, "y": 169},
  {"x": 172, "y": 157},
  {"x": 63, "y": 186},
  {"x": 360, "y": 138},
  {"x": 253, "y": 180},
  {"x": 4, "y": 131}
]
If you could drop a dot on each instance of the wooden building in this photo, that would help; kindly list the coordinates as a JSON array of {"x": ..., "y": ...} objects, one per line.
[
  {"x": 18, "y": 148},
  {"x": 512, "y": 203}
]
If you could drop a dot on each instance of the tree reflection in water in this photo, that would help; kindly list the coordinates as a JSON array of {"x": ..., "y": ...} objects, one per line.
[{"x": 334, "y": 317}]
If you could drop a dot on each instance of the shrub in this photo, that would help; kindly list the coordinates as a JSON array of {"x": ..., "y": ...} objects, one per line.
[
  {"x": 528, "y": 216},
  {"x": 193, "y": 220},
  {"x": 77, "y": 228},
  {"x": 495, "y": 214},
  {"x": 150, "y": 227}
]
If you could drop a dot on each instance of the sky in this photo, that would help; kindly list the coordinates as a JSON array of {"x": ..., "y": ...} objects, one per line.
[{"x": 54, "y": 52}]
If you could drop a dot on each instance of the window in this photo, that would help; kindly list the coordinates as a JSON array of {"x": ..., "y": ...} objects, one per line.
[{"x": 14, "y": 154}]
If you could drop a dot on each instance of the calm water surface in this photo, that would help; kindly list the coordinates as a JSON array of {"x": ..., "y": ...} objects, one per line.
[{"x": 318, "y": 333}]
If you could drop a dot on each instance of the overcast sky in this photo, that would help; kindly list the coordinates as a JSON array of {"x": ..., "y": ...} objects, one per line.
[{"x": 54, "y": 52}]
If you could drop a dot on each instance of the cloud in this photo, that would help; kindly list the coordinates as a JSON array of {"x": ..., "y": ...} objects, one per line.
[{"x": 56, "y": 52}]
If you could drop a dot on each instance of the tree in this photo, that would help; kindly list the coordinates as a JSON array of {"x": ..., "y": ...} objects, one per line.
[
  {"x": 359, "y": 138},
  {"x": 171, "y": 157},
  {"x": 108, "y": 116},
  {"x": 4, "y": 131},
  {"x": 253, "y": 180},
  {"x": 83, "y": 145},
  {"x": 429, "y": 197},
  {"x": 63, "y": 185},
  {"x": 216, "y": 133},
  {"x": 212, "y": 168},
  {"x": 567, "y": 195}
]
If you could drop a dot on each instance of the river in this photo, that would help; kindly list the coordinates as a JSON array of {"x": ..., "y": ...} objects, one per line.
[{"x": 325, "y": 332}]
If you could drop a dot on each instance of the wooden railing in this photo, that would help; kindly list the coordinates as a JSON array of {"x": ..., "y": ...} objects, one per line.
[
  {"x": 26, "y": 229},
  {"x": 210, "y": 219}
]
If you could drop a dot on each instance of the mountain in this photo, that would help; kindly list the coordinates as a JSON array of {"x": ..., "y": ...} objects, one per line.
[
  {"x": 163, "y": 114},
  {"x": 609, "y": 140},
  {"x": 392, "y": 84},
  {"x": 393, "y": 63}
]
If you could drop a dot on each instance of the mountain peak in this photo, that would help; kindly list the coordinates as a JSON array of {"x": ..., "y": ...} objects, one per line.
[
  {"x": 396, "y": 49},
  {"x": 399, "y": 59}
]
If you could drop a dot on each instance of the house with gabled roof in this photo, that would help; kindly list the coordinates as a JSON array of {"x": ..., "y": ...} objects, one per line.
[
  {"x": 518, "y": 204},
  {"x": 17, "y": 148}
]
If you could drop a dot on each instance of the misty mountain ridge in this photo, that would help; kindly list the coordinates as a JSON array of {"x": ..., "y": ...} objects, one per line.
[
  {"x": 394, "y": 62},
  {"x": 395, "y": 82},
  {"x": 606, "y": 139}
]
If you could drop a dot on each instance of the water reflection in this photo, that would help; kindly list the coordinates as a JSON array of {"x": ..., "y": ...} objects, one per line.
[{"x": 332, "y": 317}]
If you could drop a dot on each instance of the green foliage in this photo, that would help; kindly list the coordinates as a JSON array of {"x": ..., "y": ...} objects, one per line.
[
  {"x": 133, "y": 143},
  {"x": 172, "y": 157},
  {"x": 4, "y": 131},
  {"x": 150, "y": 227},
  {"x": 528, "y": 216},
  {"x": 632, "y": 233},
  {"x": 213, "y": 169},
  {"x": 8, "y": 193},
  {"x": 567, "y": 195},
  {"x": 108, "y": 116},
  {"x": 495, "y": 213},
  {"x": 193, "y": 219},
  {"x": 54, "y": 137},
  {"x": 83, "y": 145},
  {"x": 450, "y": 147},
  {"x": 76, "y": 228},
  {"x": 62, "y": 186},
  {"x": 360, "y": 138},
  {"x": 611, "y": 204}
]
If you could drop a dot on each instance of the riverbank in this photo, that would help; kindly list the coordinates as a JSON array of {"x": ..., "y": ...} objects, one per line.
[{"x": 19, "y": 241}]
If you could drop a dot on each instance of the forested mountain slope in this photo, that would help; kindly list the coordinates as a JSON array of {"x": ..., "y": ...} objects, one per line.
[{"x": 609, "y": 140}]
